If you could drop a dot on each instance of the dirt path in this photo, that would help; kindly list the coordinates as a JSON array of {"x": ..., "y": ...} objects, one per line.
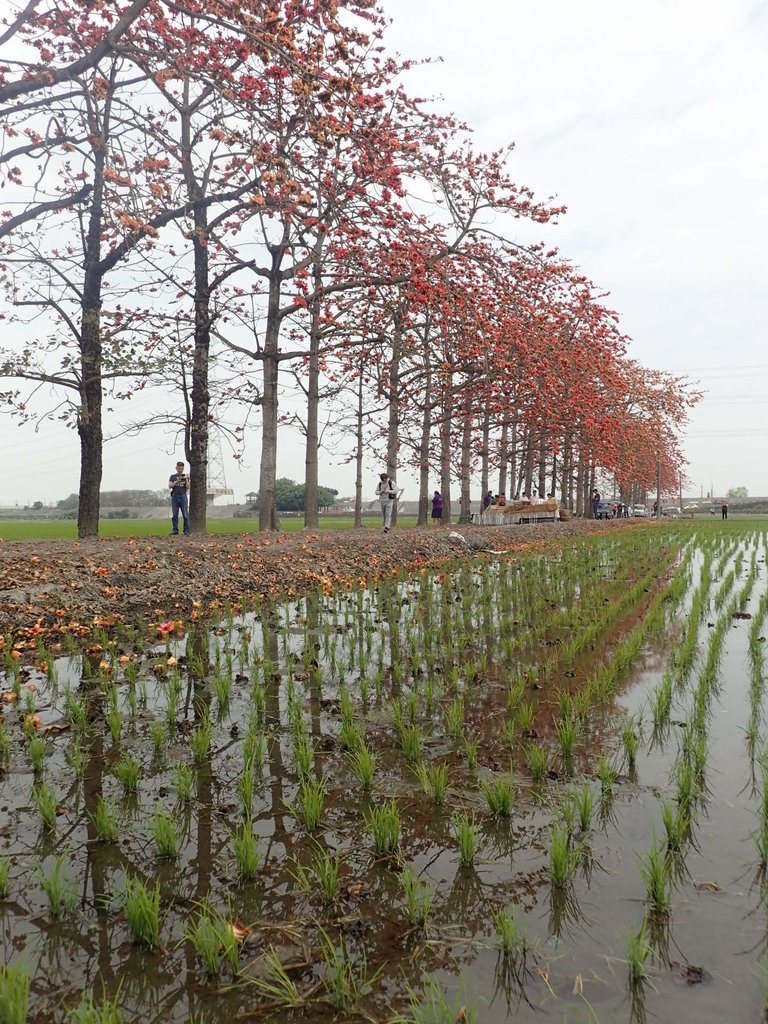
[{"x": 49, "y": 587}]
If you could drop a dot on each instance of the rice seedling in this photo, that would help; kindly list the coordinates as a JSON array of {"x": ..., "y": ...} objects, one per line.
[
  {"x": 630, "y": 739},
  {"x": 325, "y": 868},
  {"x": 563, "y": 858},
  {"x": 470, "y": 751},
  {"x": 509, "y": 933},
  {"x": 310, "y": 800},
  {"x": 59, "y": 887},
  {"x": 182, "y": 781},
  {"x": 246, "y": 787},
  {"x": 346, "y": 981},
  {"x": 245, "y": 847},
  {"x": 106, "y": 821},
  {"x": 524, "y": 717},
  {"x": 46, "y": 802},
  {"x": 654, "y": 870},
  {"x": 165, "y": 832},
  {"x": 418, "y": 898},
  {"x": 606, "y": 773},
  {"x": 76, "y": 758},
  {"x": 213, "y": 939},
  {"x": 465, "y": 833},
  {"x": 584, "y": 802},
  {"x": 5, "y": 746},
  {"x": 639, "y": 950},
  {"x": 362, "y": 763},
  {"x": 113, "y": 717},
  {"x": 383, "y": 823},
  {"x": 276, "y": 985},
  {"x": 432, "y": 1007},
  {"x": 127, "y": 771},
  {"x": 538, "y": 760},
  {"x": 454, "y": 717},
  {"x": 434, "y": 780},
  {"x": 411, "y": 743},
  {"x": 687, "y": 788},
  {"x": 200, "y": 739},
  {"x": 222, "y": 690},
  {"x": 499, "y": 794},
  {"x": 350, "y": 736},
  {"x": 15, "y": 981},
  {"x": 141, "y": 909},
  {"x": 37, "y": 754},
  {"x": 5, "y": 877},
  {"x": 89, "y": 1011},
  {"x": 158, "y": 734},
  {"x": 676, "y": 824},
  {"x": 567, "y": 731}
]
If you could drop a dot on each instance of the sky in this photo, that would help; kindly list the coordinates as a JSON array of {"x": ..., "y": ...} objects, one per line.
[{"x": 648, "y": 122}]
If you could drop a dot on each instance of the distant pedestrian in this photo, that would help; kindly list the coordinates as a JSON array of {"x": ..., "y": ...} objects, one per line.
[
  {"x": 178, "y": 485},
  {"x": 386, "y": 492},
  {"x": 595, "y": 502},
  {"x": 437, "y": 507},
  {"x": 487, "y": 501},
  {"x": 724, "y": 509}
]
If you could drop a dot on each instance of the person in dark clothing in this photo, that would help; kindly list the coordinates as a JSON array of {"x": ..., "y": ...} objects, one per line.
[
  {"x": 178, "y": 485},
  {"x": 724, "y": 510},
  {"x": 437, "y": 507},
  {"x": 487, "y": 501}
]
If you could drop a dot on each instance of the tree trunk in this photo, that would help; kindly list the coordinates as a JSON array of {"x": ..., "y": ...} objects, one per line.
[
  {"x": 485, "y": 454},
  {"x": 466, "y": 459},
  {"x": 543, "y": 463},
  {"x": 359, "y": 452},
  {"x": 313, "y": 405},
  {"x": 268, "y": 519},
  {"x": 445, "y": 452},
  {"x": 393, "y": 426},
  {"x": 426, "y": 429},
  {"x": 503, "y": 457},
  {"x": 89, "y": 417}
]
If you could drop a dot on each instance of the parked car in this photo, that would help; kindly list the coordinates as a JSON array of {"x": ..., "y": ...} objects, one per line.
[
  {"x": 639, "y": 510},
  {"x": 671, "y": 511},
  {"x": 604, "y": 510}
]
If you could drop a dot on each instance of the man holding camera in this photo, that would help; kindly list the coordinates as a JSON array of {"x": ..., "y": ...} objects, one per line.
[{"x": 178, "y": 485}]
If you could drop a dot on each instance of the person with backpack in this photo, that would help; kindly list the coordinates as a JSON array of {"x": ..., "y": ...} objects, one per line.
[{"x": 386, "y": 492}]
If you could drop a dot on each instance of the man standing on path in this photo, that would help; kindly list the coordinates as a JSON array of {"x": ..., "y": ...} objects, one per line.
[
  {"x": 386, "y": 492},
  {"x": 178, "y": 485},
  {"x": 724, "y": 509}
]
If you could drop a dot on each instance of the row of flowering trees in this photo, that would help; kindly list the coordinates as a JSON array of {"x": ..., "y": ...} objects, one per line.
[{"x": 231, "y": 198}]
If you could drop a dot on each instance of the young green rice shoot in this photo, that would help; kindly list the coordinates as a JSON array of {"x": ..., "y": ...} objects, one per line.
[
  {"x": 418, "y": 898},
  {"x": 538, "y": 760},
  {"x": 60, "y": 888},
  {"x": 362, "y": 763},
  {"x": 182, "y": 780},
  {"x": 563, "y": 857},
  {"x": 499, "y": 794},
  {"x": 165, "y": 832},
  {"x": 46, "y": 802},
  {"x": 639, "y": 950},
  {"x": 141, "y": 910},
  {"x": 509, "y": 933},
  {"x": 434, "y": 780},
  {"x": 106, "y": 821},
  {"x": 383, "y": 823},
  {"x": 465, "y": 832},
  {"x": 245, "y": 847},
  {"x": 5, "y": 877},
  {"x": 276, "y": 985},
  {"x": 127, "y": 771},
  {"x": 308, "y": 808},
  {"x": 15, "y": 981},
  {"x": 89, "y": 1011},
  {"x": 654, "y": 870}
]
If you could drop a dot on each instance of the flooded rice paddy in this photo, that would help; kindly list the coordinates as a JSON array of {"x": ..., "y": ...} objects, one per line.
[{"x": 530, "y": 788}]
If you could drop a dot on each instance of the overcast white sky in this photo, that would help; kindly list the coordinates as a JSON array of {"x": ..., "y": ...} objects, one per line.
[{"x": 649, "y": 122}]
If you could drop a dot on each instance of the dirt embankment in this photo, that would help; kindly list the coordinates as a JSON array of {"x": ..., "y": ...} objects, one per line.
[{"x": 51, "y": 587}]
